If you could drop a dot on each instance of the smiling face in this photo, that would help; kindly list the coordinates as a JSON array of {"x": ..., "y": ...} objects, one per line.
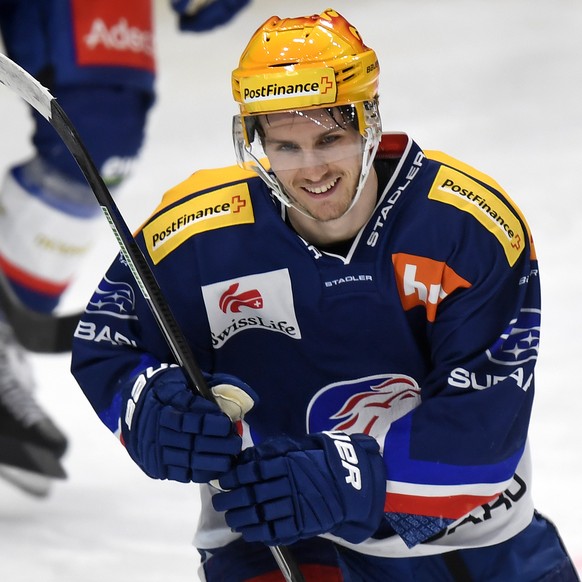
[{"x": 317, "y": 158}]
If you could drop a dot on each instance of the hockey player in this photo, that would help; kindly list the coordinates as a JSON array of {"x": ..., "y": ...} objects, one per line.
[
  {"x": 97, "y": 58},
  {"x": 374, "y": 308}
]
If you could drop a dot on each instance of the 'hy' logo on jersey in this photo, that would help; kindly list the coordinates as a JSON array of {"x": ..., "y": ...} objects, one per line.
[{"x": 423, "y": 281}]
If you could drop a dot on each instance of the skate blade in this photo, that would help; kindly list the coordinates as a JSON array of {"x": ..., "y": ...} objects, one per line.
[
  {"x": 30, "y": 457},
  {"x": 29, "y": 482}
]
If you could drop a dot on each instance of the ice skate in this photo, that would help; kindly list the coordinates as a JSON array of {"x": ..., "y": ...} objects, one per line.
[{"x": 31, "y": 445}]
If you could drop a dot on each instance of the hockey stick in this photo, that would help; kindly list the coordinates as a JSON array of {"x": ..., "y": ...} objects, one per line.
[
  {"x": 39, "y": 97},
  {"x": 35, "y": 331}
]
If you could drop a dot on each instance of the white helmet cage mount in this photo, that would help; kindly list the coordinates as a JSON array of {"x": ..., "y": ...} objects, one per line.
[{"x": 250, "y": 155}]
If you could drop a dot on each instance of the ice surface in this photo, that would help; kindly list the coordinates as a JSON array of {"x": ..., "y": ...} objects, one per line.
[{"x": 495, "y": 83}]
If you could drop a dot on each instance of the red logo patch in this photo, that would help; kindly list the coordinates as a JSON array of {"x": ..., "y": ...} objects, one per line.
[
  {"x": 423, "y": 281},
  {"x": 229, "y": 301},
  {"x": 113, "y": 33}
]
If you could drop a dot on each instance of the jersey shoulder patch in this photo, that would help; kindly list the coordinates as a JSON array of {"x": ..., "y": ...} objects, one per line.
[
  {"x": 471, "y": 191},
  {"x": 207, "y": 200}
]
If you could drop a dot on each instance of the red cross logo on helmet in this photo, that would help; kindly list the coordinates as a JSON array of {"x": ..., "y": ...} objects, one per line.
[{"x": 326, "y": 84}]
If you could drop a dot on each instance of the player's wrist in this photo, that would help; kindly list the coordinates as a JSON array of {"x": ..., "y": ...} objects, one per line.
[{"x": 360, "y": 477}]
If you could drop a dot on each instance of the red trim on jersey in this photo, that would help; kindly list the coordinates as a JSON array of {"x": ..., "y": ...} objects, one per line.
[
  {"x": 451, "y": 507},
  {"x": 30, "y": 281},
  {"x": 392, "y": 145}
]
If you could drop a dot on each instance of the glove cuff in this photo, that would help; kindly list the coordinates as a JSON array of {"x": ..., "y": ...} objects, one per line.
[{"x": 361, "y": 477}]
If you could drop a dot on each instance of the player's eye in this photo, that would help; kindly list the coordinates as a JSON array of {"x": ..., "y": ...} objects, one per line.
[
  {"x": 330, "y": 139},
  {"x": 287, "y": 147}
]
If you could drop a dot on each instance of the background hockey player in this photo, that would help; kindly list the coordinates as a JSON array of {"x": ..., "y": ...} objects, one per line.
[
  {"x": 379, "y": 304},
  {"x": 97, "y": 58}
]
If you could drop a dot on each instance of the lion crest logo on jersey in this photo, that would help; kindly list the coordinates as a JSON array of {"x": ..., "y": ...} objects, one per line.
[{"x": 366, "y": 405}]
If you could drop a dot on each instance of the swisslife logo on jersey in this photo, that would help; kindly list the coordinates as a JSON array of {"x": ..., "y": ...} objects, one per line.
[
  {"x": 262, "y": 302},
  {"x": 366, "y": 405},
  {"x": 113, "y": 33},
  {"x": 425, "y": 282}
]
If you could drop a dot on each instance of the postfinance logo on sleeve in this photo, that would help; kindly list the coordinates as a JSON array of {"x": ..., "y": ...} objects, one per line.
[
  {"x": 457, "y": 189},
  {"x": 225, "y": 207}
]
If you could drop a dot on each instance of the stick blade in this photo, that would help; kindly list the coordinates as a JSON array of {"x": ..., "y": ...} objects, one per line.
[{"x": 25, "y": 86}]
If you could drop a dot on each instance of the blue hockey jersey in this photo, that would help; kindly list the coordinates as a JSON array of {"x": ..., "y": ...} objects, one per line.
[{"x": 423, "y": 334}]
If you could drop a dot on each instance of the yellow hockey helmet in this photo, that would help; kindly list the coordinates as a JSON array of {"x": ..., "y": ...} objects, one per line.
[{"x": 304, "y": 63}]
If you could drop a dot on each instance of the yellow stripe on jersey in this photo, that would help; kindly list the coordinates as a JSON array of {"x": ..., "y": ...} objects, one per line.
[
  {"x": 203, "y": 180},
  {"x": 226, "y": 206},
  {"x": 458, "y": 189}
]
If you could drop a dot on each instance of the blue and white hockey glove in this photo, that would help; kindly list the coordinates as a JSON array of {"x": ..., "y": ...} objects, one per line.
[
  {"x": 285, "y": 490},
  {"x": 202, "y": 15},
  {"x": 172, "y": 433}
]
